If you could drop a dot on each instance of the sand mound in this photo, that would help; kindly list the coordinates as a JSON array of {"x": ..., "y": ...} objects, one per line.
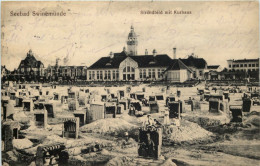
[
  {"x": 53, "y": 139},
  {"x": 133, "y": 119},
  {"x": 32, "y": 126},
  {"x": 20, "y": 117},
  {"x": 254, "y": 113},
  {"x": 110, "y": 125},
  {"x": 168, "y": 162},
  {"x": 119, "y": 161},
  {"x": 22, "y": 143},
  {"x": 254, "y": 120},
  {"x": 188, "y": 131}
]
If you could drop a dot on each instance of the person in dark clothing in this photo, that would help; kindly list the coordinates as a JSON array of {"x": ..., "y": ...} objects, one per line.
[
  {"x": 151, "y": 146},
  {"x": 132, "y": 110}
]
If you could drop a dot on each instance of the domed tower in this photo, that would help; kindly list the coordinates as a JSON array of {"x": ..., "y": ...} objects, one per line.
[{"x": 132, "y": 42}]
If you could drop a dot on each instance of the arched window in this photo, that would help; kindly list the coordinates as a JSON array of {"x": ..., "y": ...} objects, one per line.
[{"x": 129, "y": 73}]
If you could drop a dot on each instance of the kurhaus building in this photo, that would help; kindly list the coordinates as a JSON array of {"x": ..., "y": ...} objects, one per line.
[{"x": 129, "y": 66}]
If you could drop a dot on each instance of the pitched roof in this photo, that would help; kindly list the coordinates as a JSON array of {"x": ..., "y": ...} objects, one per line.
[
  {"x": 191, "y": 61},
  {"x": 30, "y": 62},
  {"x": 177, "y": 64},
  {"x": 213, "y": 66},
  {"x": 162, "y": 60},
  {"x": 107, "y": 62}
]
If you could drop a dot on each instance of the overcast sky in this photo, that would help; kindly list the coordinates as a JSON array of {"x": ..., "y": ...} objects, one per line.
[{"x": 215, "y": 31}]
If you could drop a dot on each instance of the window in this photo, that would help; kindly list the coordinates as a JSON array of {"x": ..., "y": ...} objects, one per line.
[
  {"x": 245, "y": 65},
  {"x": 253, "y": 65},
  {"x": 234, "y": 65},
  {"x": 159, "y": 73},
  {"x": 98, "y": 75},
  {"x": 132, "y": 69},
  {"x": 114, "y": 74},
  {"x": 249, "y": 65},
  {"x": 241, "y": 65},
  {"x": 253, "y": 69},
  {"x": 153, "y": 73},
  {"x": 257, "y": 65},
  {"x": 89, "y": 75},
  {"x": 105, "y": 74},
  {"x": 200, "y": 73},
  {"x": 101, "y": 75},
  {"x": 109, "y": 75},
  {"x": 144, "y": 73},
  {"x": 229, "y": 66},
  {"x": 129, "y": 72},
  {"x": 141, "y": 73},
  {"x": 117, "y": 74},
  {"x": 149, "y": 73},
  {"x": 93, "y": 74}
]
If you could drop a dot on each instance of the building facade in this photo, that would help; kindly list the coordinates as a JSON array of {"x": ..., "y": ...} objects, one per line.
[
  {"x": 197, "y": 65},
  {"x": 130, "y": 66},
  {"x": 30, "y": 69},
  {"x": 125, "y": 67},
  {"x": 243, "y": 65},
  {"x": 213, "y": 72},
  {"x": 242, "y": 68},
  {"x": 177, "y": 72},
  {"x": 66, "y": 73}
]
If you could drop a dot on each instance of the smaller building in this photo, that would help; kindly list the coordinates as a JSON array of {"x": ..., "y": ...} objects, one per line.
[
  {"x": 197, "y": 65},
  {"x": 213, "y": 72},
  {"x": 66, "y": 73},
  {"x": 177, "y": 72}
]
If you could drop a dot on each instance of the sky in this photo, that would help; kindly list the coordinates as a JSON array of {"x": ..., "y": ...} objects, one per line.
[{"x": 215, "y": 31}]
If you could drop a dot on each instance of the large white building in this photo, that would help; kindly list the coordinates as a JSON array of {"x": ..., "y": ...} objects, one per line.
[
  {"x": 129, "y": 66},
  {"x": 243, "y": 65}
]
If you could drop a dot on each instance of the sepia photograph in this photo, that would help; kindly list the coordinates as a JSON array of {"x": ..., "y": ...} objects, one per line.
[{"x": 120, "y": 83}]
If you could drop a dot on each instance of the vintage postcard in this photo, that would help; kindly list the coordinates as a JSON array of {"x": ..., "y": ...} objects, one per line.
[{"x": 130, "y": 83}]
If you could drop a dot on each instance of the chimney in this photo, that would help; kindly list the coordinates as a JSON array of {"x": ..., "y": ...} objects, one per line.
[
  {"x": 174, "y": 53},
  {"x": 146, "y": 52},
  {"x": 111, "y": 55},
  {"x": 154, "y": 52}
]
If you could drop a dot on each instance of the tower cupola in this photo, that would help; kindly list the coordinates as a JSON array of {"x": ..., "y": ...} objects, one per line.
[{"x": 132, "y": 42}]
